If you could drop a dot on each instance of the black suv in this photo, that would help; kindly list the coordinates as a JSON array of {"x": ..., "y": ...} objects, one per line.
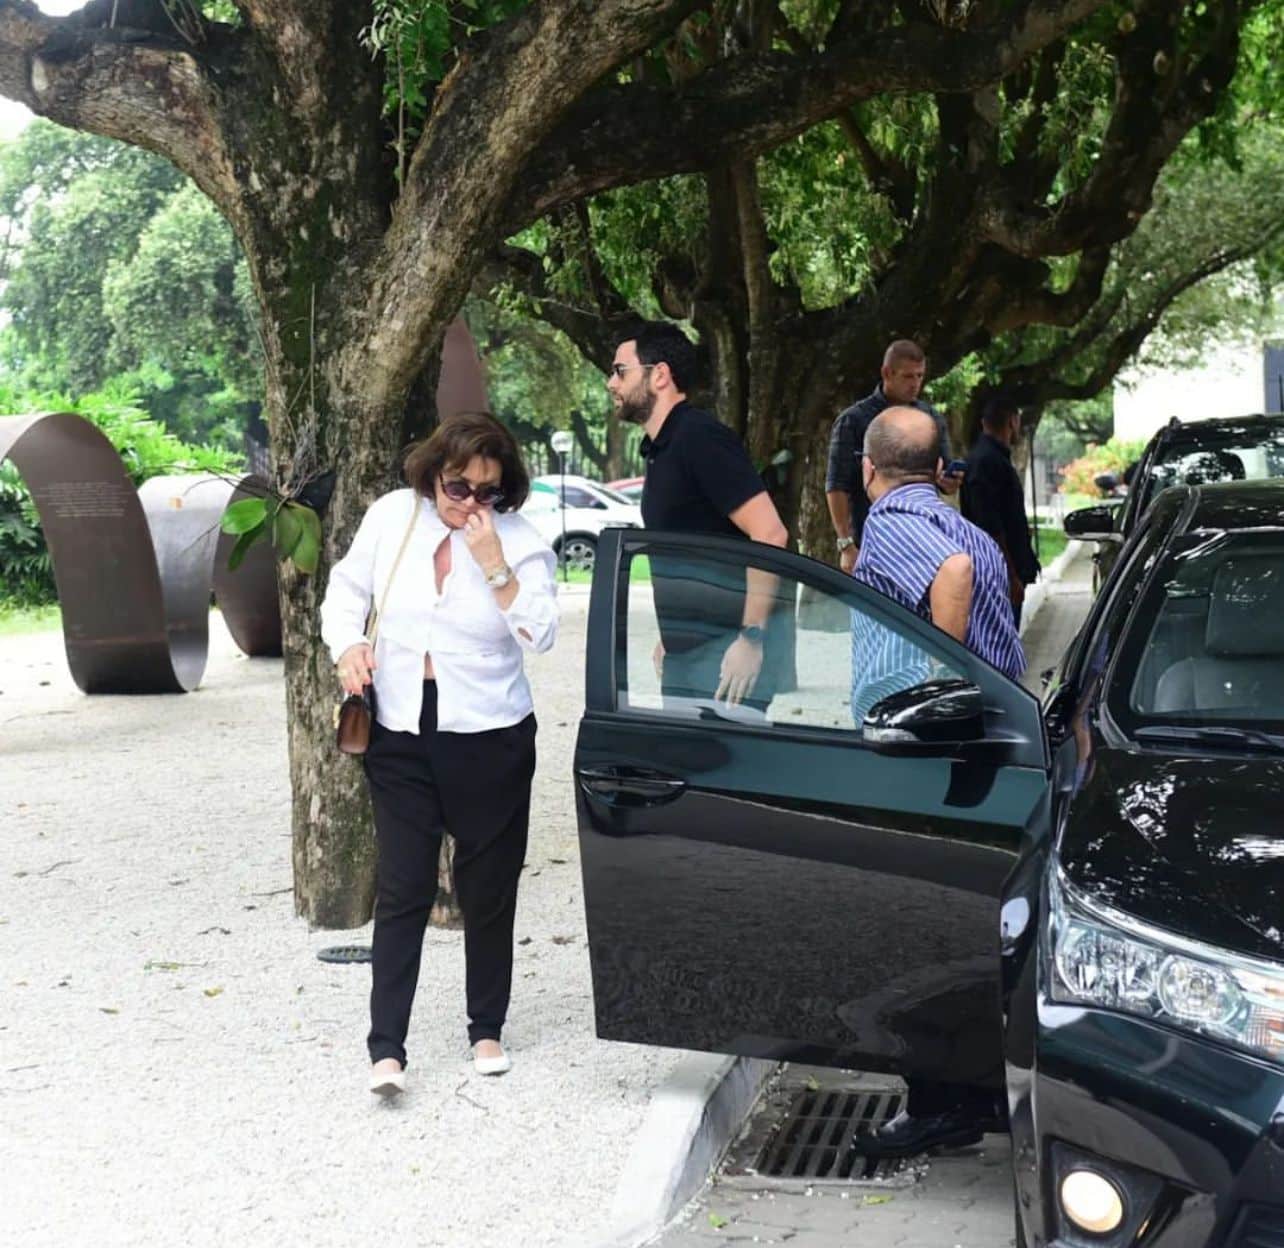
[
  {"x": 911, "y": 865},
  {"x": 1243, "y": 448}
]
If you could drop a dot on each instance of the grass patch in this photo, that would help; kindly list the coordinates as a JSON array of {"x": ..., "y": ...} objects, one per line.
[
  {"x": 15, "y": 620},
  {"x": 1051, "y": 542},
  {"x": 639, "y": 574}
]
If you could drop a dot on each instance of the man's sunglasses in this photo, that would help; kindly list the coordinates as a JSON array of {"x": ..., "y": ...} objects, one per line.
[
  {"x": 618, "y": 370},
  {"x": 460, "y": 492}
]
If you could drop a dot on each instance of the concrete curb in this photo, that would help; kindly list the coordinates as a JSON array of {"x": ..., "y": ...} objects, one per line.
[
  {"x": 1037, "y": 594},
  {"x": 691, "y": 1122}
]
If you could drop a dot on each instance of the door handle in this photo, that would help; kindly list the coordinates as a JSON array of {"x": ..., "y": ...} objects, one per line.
[{"x": 630, "y": 786}]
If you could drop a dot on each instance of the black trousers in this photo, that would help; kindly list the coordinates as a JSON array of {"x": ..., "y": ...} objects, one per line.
[{"x": 477, "y": 787}]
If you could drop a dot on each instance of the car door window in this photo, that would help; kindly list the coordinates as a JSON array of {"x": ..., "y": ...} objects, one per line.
[
  {"x": 827, "y": 655},
  {"x": 575, "y": 496}
]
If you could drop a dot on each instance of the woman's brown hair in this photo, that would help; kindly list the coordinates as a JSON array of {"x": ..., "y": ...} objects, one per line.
[{"x": 455, "y": 442}]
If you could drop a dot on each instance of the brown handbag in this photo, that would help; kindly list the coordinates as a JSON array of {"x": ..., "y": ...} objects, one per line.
[
  {"x": 354, "y": 716},
  {"x": 352, "y": 720}
]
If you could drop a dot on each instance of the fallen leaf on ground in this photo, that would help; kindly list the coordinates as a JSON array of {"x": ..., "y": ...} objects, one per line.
[
  {"x": 717, "y": 1221},
  {"x": 877, "y": 1200},
  {"x": 213, "y": 992}
]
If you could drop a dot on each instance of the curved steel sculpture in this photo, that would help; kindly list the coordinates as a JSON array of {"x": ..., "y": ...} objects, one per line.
[{"x": 135, "y": 568}]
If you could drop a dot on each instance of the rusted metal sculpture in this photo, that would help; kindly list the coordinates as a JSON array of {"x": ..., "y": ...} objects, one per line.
[{"x": 135, "y": 568}]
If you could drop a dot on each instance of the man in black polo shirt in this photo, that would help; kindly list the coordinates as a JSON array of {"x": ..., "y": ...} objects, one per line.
[
  {"x": 994, "y": 500},
  {"x": 903, "y": 372},
  {"x": 699, "y": 479}
]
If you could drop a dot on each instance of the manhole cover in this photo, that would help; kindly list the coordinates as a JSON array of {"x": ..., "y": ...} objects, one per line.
[
  {"x": 805, "y": 1134},
  {"x": 345, "y": 953}
]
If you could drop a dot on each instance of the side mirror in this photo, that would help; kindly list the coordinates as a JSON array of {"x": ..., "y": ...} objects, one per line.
[
  {"x": 1093, "y": 524},
  {"x": 935, "y": 713}
]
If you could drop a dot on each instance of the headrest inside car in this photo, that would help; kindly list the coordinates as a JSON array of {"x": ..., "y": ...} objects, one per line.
[{"x": 1246, "y": 607}]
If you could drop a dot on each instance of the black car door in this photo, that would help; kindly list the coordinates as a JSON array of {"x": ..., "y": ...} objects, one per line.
[{"x": 814, "y": 876}]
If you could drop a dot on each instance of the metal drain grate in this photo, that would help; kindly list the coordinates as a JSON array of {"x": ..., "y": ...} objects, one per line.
[
  {"x": 344, "y": 953},
  {"x": 815, "y": 1140}
]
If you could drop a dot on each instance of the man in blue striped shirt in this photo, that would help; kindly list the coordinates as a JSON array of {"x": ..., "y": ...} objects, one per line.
[
  {"x": 920, "y": 551},
  {"x": 922, "y": 554}
]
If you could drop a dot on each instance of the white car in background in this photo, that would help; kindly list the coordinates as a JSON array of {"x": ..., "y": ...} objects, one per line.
[{"x": 589, "y": 508}]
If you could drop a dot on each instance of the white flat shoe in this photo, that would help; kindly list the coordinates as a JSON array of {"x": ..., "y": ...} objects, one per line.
[
  {"x": 500, "y": 1065},
  {"x": 388, "y": 1082}
]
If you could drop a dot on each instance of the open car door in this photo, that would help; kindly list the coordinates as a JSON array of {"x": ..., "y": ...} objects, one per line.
[{"x": 813, "y": 875}]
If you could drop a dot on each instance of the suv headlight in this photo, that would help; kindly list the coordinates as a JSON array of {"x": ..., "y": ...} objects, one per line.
[{"x": 1098, "y": 956}]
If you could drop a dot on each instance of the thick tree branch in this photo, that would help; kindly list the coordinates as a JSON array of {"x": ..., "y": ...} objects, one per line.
[
  {"x": 624, "y": 133},
  {"x": 508, "y": 88},
  {"x": 593, "y": 330},
  {"x": 887, "y": 175},
  {"x": 1162, "y": 92},
  {"x": 1042, "y": 381},
  {"x": 142, "y": 87},
  {"x": 1063, "y": 308}
]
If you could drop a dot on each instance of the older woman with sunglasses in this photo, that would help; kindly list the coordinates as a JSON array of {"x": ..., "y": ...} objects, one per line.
[{"x": 464, "y": 586}]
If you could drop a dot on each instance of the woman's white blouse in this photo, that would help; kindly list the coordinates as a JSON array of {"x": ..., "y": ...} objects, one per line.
[{"x": 476, "y": 648}]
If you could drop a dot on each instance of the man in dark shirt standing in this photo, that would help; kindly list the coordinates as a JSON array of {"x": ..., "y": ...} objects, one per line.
[
  {"x": 994, "y": 500},
  {"x": 903, "y": 373},
  {"x": 699, "y": 479}
]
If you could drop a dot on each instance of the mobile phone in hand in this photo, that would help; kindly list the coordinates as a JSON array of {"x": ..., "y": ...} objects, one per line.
[{"x": 956, "y": 468}]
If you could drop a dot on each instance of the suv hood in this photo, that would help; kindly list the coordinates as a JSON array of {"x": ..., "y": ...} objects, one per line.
[{"x": 1190, "y": 845}]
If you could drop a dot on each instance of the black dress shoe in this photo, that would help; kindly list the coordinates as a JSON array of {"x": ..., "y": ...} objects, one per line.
[{"x": 906, "y": 1136}]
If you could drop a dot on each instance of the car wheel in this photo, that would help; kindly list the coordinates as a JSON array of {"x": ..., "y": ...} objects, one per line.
[{"x": 581, "y": 553}]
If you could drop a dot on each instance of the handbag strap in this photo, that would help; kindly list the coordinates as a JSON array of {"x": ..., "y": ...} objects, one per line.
[{"x": 372, "y": 629}]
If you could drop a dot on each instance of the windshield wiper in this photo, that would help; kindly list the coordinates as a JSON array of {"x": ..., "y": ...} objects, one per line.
[{"x": 1224, "y": 735}]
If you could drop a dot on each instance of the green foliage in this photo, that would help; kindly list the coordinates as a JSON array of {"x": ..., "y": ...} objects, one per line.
[
  {"x": 74, "y": 220},
  {"x": 636, "y": 230},
  {"x": 535, "y": 376},
  {"x": 26, "y": 574},
  {"x": 831, "y": 229},
  {"x": 119, "y": 267},
  {"x": 1079, "y": 476},
  {"x": 293, "y": 529},
  {"x": 146, "y": 449},
  {"x": 418, "y": 40},
  {"x": 1066, "y": 429}
]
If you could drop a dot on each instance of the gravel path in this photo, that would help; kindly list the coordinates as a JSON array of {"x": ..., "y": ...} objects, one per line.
[{"x": 176, "y": 1067}]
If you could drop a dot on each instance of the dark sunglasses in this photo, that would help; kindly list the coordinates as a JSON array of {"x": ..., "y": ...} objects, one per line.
[{"x": 461, "y": 492}]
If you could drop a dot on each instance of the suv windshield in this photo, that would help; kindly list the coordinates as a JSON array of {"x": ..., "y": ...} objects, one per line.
[
  {"x": 1245, "y": 456},
  {"x": 1206, "y": 645}
]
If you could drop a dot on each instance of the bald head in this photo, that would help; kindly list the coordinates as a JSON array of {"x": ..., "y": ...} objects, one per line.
[
  {"x": 902, "y": 446},
  {"x": 903, "y": 442}
]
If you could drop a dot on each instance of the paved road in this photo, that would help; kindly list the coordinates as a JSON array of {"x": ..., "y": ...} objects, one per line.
[{"x": 965, "y": 1198}]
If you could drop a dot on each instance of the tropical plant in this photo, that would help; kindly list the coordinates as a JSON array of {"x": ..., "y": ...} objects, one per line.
[{"x": 145, "y": 448}]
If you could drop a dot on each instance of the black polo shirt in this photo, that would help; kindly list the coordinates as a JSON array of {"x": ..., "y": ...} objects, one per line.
[{"x": 697, "y": 473}]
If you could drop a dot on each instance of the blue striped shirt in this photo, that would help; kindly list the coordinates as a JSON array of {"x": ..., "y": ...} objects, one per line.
[{"x": 910, "y": 532}]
